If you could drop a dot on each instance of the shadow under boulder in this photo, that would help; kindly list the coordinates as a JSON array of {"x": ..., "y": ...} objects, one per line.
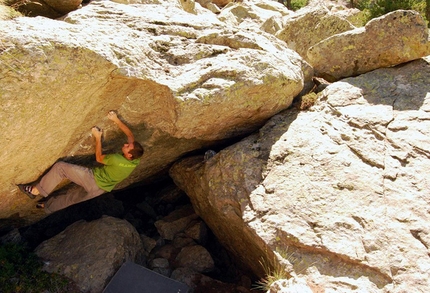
[{"x": 54, "y": 223}]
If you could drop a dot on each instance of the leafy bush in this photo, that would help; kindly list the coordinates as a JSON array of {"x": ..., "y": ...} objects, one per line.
[
  {"x": 294, "y": 4},
  {"x": 297, "y": 4},
  {"x": 376, "y": 8},
  {"x": 21, "y": 272}
]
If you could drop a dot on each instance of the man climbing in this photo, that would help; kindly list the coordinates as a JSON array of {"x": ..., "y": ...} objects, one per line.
[{"x": 93, "y": 181}]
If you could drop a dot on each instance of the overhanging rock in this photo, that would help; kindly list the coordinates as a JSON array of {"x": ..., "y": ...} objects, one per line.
[{"x": 181, "y": 81}]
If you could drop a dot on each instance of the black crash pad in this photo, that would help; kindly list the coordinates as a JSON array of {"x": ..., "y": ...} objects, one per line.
[{"x": 133, "y": 278}]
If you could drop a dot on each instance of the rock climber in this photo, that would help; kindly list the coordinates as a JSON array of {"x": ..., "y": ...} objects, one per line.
[{"x": 92, "y": 181}]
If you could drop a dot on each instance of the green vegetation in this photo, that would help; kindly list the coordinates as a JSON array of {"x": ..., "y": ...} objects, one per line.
[
  {"x": 376, "y": 8},
  {"x": 297, "y": 4},
  {"x": 360, "y": 19},
  {"x": 373, "y": 8},
  {"x": 307, "y": 101},
  {"x": 281, "y": 268},
  {"x": 21, "y": 272},
  {"x": 272, "y": 274},
  {"x": 294, "y": 4}
]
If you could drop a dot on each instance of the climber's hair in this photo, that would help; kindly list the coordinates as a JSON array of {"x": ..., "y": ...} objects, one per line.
[{"x": 137, "y": 151}]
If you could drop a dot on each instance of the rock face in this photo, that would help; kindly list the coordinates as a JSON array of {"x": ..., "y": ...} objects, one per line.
[
  {"x": 64, "y": 6},
  {"x": 90, "y": 253},
  {"x": 176, "y": 222},
  {"x": 7, "y": 13},
  {"x": 365, "y": 49},
  {"x": 335, "y": 195},
  {"x": 258, "y": 15},
  {"x": 190, "y": 251},
  {"x": 339, "y": 193},
  {"x": 305, "y": 29},
  {"x": 47, "y": 8},
  {"x": 195, "y": 257},
  {"x": 181, "y": 81}
]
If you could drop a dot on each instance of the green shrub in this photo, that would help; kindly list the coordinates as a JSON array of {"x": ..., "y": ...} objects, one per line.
[
  {"x": 21, "y": 272},
  {"x": 297, "y": 4},
  {"x": 376, "y": 8},
  {"x": 294, "y": 4},
  {"x": 360, "y": 19}
]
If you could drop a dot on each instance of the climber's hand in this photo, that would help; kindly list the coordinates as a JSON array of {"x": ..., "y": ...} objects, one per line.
[
  {"x": 97, "y": 132},
  {"x": 113, "y": 116}
]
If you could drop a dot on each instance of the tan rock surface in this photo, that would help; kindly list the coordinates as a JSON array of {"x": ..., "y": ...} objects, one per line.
[
  {"x": 7, "y": 12},
  {"x": 90, "y": 253},
  {"x": 221, "y": 3},
  {"x": 33, "y": 8},
  {"x": 181, "y": 81},
  {"x": 339, "y": 193},
  {"x": 195, "y": 257},
  {"x": 254, "y": 15},
  {"x": 389, "y": 40},
  {"x": 308, "y": 27},
  {"x": 64, "y": 6}
]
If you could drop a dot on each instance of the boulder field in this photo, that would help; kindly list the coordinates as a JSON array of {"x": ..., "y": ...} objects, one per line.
[{"x": 335, "y": 193}]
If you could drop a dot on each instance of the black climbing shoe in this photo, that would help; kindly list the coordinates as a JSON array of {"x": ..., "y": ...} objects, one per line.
[{"x": 27, "y": 190}]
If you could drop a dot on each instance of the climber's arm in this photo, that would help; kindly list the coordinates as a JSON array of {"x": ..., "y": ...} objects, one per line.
[
  {"x": 112, "y": 116},
  {"x": 97, "y": 133}
]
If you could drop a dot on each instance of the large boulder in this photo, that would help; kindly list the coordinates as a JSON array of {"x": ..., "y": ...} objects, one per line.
[
  {"x": 64, "y": 6},
  {"x": 308, "y": 27},
  {"x": 337, "y": 194},
  {"x": 255, "y": 15},
  {"x": 90, "y": 253},
  {"x": 195, "y": 257},
  {"x": 7, "y": 12},
  {"x": 34, "y": 234},
  {"x": 176, "y": 222},
  {"x": 181, "y": 81},
  {"x": 389, "y": 40},
  {"x": 46, "y": 8}
]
